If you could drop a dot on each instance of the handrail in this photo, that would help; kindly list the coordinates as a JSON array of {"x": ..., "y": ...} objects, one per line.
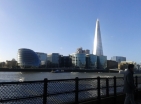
[{"x": 61, "y": 87}]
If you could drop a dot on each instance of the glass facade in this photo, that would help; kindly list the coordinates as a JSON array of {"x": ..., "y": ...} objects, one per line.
[
  {"x": 65, "y": 61},
  {"x": 91, "y": 61},
  {"x": 79, "y": 60},
  {"x": 27, "y": 58},
  {"x": 118, "y": 58},
  {"x": 97, "y": 50},
  {"x": 42, "y": 57},
  {"x": 101, "y": 62},
  {"x": 53, "y": 60}
]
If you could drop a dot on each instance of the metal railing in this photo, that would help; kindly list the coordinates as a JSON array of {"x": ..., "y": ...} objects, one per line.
[{"x": 65, "y": 91}]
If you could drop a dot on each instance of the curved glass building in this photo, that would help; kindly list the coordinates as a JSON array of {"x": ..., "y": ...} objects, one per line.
[{"x": 27, "y": 58}]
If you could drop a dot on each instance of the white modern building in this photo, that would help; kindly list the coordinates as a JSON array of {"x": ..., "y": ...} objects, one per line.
[
  {"x": 42, "y": 57},
  {"x": 118, "y": 58},
  {"x": 78, "y": 60},
  {"x": 97, "y": 49}
]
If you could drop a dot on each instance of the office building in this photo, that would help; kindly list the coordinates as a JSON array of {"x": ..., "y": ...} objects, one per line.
[
  {"x": 118, "y": 58},
  {"x": 53, "y": 60},
  {"x": 112, "y": 64},
  {"x": 65, "y": 61},
  {"x": 27, "y": 58},
  {"x": 42, "y": 57},
  {"x": 101, "y": 62},
  {"x": 97, "y": 49},
  {"x": 91, "y": 61},
  {"x": 78, "y": 60}
]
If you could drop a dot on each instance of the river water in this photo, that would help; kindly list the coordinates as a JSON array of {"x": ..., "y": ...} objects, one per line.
[{"x": 31, "y": 76}]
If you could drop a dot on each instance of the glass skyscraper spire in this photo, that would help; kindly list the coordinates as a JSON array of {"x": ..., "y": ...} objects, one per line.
[{"x": 97, "y": 49}]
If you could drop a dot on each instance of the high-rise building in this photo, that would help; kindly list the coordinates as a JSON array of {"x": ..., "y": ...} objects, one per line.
[{"x": 97, "y": 49}]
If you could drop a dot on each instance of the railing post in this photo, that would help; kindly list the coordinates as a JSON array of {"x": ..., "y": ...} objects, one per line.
[
  {"x": 76, "y": 90},
  {"x": 136, "y": 83},
  {"x": 115, "y": 90},
  {"x": 107, "y": 87},
  {"x": 98, "y": 90},
  {"x": 45, "y": 91}
]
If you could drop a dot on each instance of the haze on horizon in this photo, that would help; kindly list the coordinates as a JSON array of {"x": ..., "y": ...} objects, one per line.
[{"x": 61, "y": 26}]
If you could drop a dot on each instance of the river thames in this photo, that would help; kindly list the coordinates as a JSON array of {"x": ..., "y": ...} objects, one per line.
[{"x": 31, "y": 76}]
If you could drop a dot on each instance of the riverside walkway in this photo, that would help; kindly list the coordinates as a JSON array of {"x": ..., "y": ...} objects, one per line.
[{"x": 98, "y": 90}]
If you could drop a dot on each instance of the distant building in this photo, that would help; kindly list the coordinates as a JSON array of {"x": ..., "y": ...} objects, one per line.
[
  {"x": 124, "y": 65},
  {"x": 112, "y": 64},
  {"x": 101, "y": 62},
  {"x": 80, "y": 50},
  {"x": 2, "y": 64},
  {"x": 53, "y": 60},
  {"x": 11, "y": 63},
  {"x": 27, "y": 58},
  {"x": 91, "y": 61},
  {"x": 79, "y": 60},
  {"x": 42, "y": 57},
  {"x": 87, "y": 51},
  {"x": 118, "y": 58},
  {"x": 138, "y": 67},
  {"x": 65, "y": 61}
]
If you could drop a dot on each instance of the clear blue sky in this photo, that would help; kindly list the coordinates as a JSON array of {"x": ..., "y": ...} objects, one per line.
[{"x": 61, "y": 26}]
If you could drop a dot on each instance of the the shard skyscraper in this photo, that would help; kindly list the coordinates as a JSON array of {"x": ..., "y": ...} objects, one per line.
[{"x": 97, "y": 49}]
